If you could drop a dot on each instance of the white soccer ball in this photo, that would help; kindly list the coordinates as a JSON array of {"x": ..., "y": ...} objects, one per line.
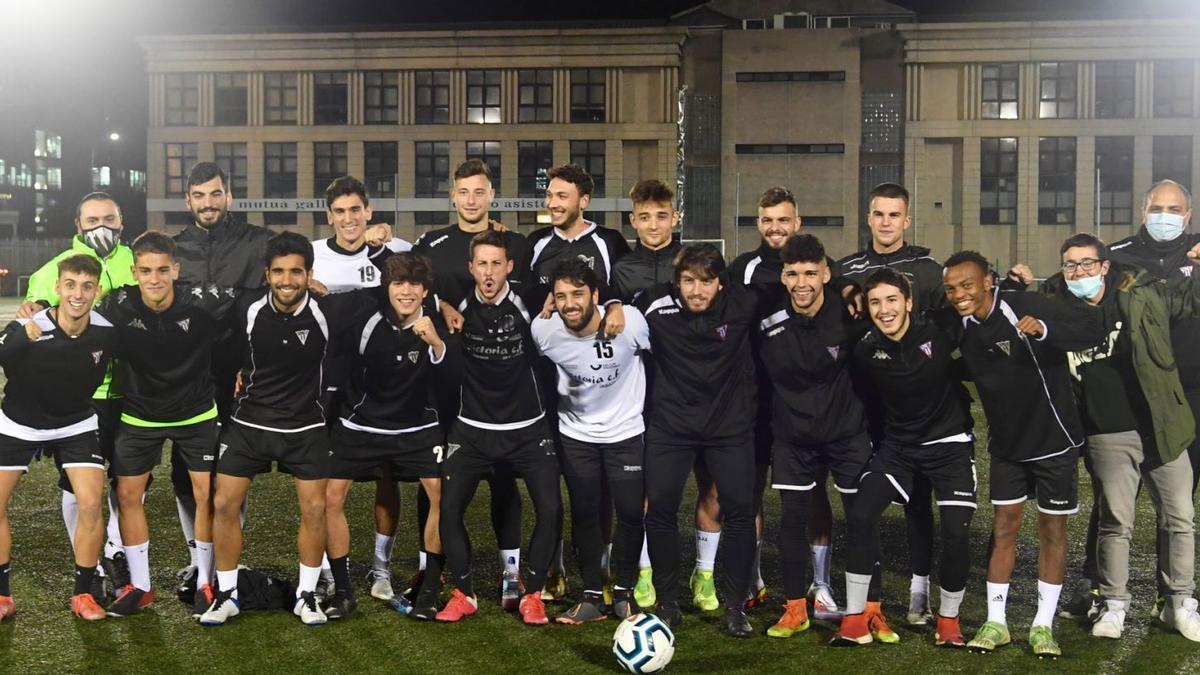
[{"x": 643, "y": 643}]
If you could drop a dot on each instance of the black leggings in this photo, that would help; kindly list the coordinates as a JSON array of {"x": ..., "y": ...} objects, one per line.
[
  {"x": 506, "y": 510},
  {"x": 585, "y": 485},
  {"x": 793, "y": 543},
  {"x": 918, "y": 518}
]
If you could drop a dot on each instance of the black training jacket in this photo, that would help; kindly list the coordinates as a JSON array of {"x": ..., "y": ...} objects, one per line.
[
  {"x": 914, "y": 262},
  {"x": 642, "y": 268}
]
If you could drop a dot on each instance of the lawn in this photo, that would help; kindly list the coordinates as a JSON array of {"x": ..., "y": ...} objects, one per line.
[{"x": 44, "y": 637}]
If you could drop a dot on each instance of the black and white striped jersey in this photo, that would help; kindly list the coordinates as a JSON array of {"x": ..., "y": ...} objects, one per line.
[{"x": 342, "y": 270}]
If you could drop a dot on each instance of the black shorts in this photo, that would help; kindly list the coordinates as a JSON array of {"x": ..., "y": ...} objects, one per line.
[
  {"x": 622, "y": 460},
  {"x": 948, "y": 467},
  {"x": 799, "y": 467},
  {"x": 248, "y": 451},
  {"x": 471, "y": 451},
  {"x": 108, "y": 417},
  {"x": 361, "y": 455},
  {"x": 80, "y": 450},
  {"x": 1054, "y": 481},
  {"x": 139, "y": 449}
]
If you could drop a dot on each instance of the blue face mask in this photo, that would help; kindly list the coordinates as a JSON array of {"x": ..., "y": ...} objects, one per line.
[
  {"x": 1087, "y": 287},
  {"x": 1164, "y": 226}
]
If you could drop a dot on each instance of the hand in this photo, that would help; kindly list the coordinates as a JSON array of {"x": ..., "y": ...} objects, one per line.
[
  {"x": 33, "y": 331},
  {"x": 424, "y": 329},
  {"x": 1030, "y": 326},
  {"x": 452, "y": 317},
  {"x": 28, "y": 309},
  {"x": 614, "y": 320},
  {"x": 1021, "y": 273},
  {"x": 237, "y": 383},
  {"x": 497, "y": 225},
  {"x": 380, "y": 234},
  {"x": 853, "y": 296},
  {"x": 1193, "y": 255},
  {"x": 547, "y": 307},
  {"x": 317, "y": 288}
]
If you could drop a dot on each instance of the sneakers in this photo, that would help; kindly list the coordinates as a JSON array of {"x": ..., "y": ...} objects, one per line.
[
  {"x": 340, "y": 606},
  {"x": 116, "y": 569},
  {"x": 187, "y": 584},
  {"x": 877, "y": 624},
  {"x": 555, "y": 588},
  {"x": 325, "y": 585},
  {"x": 224, "y": 608},
  {"x": 1111, "y": 622},
  {"x": 99, "y": 589},
  {"x": 643, "y": 591},
  {"x": 1042, "y": 641},
  {"x": 308, "y": 610},
  {"x": 589, "y": 610},
  {"x": 704, "y": 591},
  {"x": 1180, "y": 614},
  {"x": 85, "y": 607},
  {"x": 1085, "y": 604},
  {"x": 401, "y": 605},
  {"x": 426, "y": 606},
  {"x": 511, "y": 590},
  {"x": 948, "y": 633},
  {"x": 623, "y": 604},
  {"x": 6, "y": 607},
  {"x": 381, "y": 584},
  {"x": 794, "y": 620},
  {"x": 459, "y": 607},
  {"x": 989, "y": 636},
  {"x": 918, "y": 610},
  {"x": 204, "y": 597},
  {"x": 533, "y": 609},
  {"x": 854, "y": 631},
  {"x": 757, "y": 599},
  {"x": 669, "y": 613},
  {"x": 736, "y": 623},
  {"x": 825, "y": 608},
  {"x": 129, "y": 600}
]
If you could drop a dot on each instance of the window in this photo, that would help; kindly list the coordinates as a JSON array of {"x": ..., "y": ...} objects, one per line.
[
  {"x": 101, "y": 177},
  {"x": 331, "y": 104},
  {"x": 281, "y": 98},
  {"x": 1114, "y": 89},
  {"x": 794, "y": 76},
  {"x": 433, "y": 97},
  {"x": 483, "y": 97},
  {"x": 590, "y": 155},
  {"x": 587, "y": 95},
  {"x": 489, "y": 152},
  {"x": 183, "y": 99},
  {"x": 432, "y": 167},
  {"x": 382, "y": 165},
  {"x": 998, "y": 181},
  {"x": 790, "y": 148},
  {"x": 54, "y": 178},
  {"x": 329, "y": 162},
  {"x": 1173, "y": 159},
  {"x": 535, "y": 96},
  {"x": 279, "y": 169},
  {"x": 53, "y": 146},
  {"x": 381, "y": 100},
  {"x": 4, "y": 173},
  {"x": 181, "y": 157},
  {"x": 1173, "y": 82},
  {"x": 1000, "y": 84},
  {"x": 1056, "y": 181},
  {"x": 137, "y": 180},
  {"x": 229, "y": 99},
  {"x": 1056, "y": 97},
  {"x": 231, "y": 157},
  {"x": 534, "y": 160},
  {"x": 1114, "y": 163}
]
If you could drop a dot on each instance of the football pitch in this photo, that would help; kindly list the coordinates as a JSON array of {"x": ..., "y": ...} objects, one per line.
[{"x": 44, "y": 637}]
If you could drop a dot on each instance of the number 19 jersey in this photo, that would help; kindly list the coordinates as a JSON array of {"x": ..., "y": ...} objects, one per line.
[{"x": 342, "y": 270}]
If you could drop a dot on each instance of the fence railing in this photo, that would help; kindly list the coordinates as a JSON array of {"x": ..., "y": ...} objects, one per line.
[{"x": 23, "y": 257}]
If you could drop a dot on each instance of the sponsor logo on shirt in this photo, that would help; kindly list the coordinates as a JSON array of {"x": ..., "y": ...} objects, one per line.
[
  {"x": 137, "y": 323},
  {"x": 927, "y": 348},
  {"x": 881, "y": 355},
  {"x": 302, "y": 335},
  {"x": 184, "y": 324},
  {"x": 833, "y": 351},
  {"x": 1005, "y": 347}
]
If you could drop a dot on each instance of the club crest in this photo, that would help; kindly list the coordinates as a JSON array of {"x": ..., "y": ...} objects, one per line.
[
  {"x": 1186, "y": 270},
  {"x": 302, "y": 335},
  {"x": 184, "y": 324},
  {"x": 723, "y": 330},
  {"x": 97, "y": 355},
  {"x": 1005, "y": 347},
  {"x": 927, "y": 349},
  {"x": 833, "y": 351},
  {"x": 414, "y": 355}
]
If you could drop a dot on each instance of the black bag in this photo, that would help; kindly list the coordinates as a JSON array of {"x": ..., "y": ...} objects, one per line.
[{"x": 259, "y": 590}]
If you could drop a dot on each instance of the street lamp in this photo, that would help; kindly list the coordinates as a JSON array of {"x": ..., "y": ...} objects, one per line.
[{"x": 114, "y": 136}]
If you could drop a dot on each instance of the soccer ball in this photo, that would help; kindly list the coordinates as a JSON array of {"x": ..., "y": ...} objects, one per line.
[{"x": 643, "y": 643}]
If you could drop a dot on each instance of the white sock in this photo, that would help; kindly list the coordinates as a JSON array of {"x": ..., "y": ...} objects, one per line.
[
  {"x": 758, "y": 580},
  {"x": 950, "y": 603},
  {"x": 857, "y": 586},
  {"x": 510, "y": 559},
  {"x": 605, "y": 557},
  {"x": 187, "y": 520},
  {"x": 820, "y": 556},
  {"x": 559, "y": 565},
  {"x": 997, "y": 595},
  {"x": 325, "y": 569},
  {"x": 383, "y": 551},
  {"x": 919, "y": 584},
  {"x": 707, "y": 544},
  {"x": 644, "y": 563},
  {"x": 70, "y": 512},
  {"x": 228, "y": 580},
  {"x": 113, "y": 543},
  {"x": 1047, "y": 604},
  {"x": 422, "y": 560},
  {"x": 204, "y": 561},
  {"x": 308, "y": 579},
  {"x": 138, "y": 557}
]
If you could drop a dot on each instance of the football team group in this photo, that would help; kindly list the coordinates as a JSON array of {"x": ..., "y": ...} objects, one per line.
[{"x": 478, "y": 354}]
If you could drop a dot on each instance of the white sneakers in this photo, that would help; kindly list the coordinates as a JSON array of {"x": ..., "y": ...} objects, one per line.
[
  {"x": 308, "y": 610},
  {"x": 223, "y": 608},
  {"x": 825, "y": 608},
  {"x": 918, "y": 610},
  {"x": 1180, "y": 613},
  {"x": 381, "y": 584},
  {"x": 1111, "y": 622}
]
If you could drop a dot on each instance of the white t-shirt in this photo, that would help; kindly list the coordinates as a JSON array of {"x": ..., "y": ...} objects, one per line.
[
  {"x": 601, "y": 383},
  {"x": 341, "y": 270}
]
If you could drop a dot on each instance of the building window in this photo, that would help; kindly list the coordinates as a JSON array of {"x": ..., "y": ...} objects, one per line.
[
  {"x": 231, "y": 157},
  {"x": 381, "y": 100},
  {"x": 590, "y": 155},
  {"x": 382, "y": 165},
  {"x": 1173, "y": 84},
  {"x": 230, "y": 102},
  {"x": 331, "y": 102},
  {"x": 1056, "y": 95},
  {"x": 1114, "y": 89},
  {"x": 279, "y": 170},
  {"x": 329, "y": 162},
  {"x": 433, "y": 97},
  {"x": 1114, "y": 164},
  {"x": 483, "y": 97},
  {"x": 183, "y": 99},
  {"x": 137, "y": 180},
  {"x": 790, "y": 148},
  {"x": 281, "y": 98},
  {"x": 998, "y": 181},
  {"x": 1056, "y": 181},
  {"x": 534, "y": 160},
  {"x": 587, "y": 95},
  {"x": 1000, "y": 85},
  {"x": 181, "y": 157},
  {"x": 432, "y": 168},
  {"x": 489, "y": 153},
  {"x": 1173, "y": 159},
  {"x": 794, "y": 76},
  {"x": 535, "y": 96},
  {"x": 54, "y": 178}
]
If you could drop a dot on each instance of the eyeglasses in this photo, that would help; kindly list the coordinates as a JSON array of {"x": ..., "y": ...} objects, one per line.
[{"x": 1088, "y": 265}]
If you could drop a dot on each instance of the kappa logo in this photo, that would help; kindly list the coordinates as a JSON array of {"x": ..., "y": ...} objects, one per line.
[
  {"x": 184, "y": 324},
  {"x": 1186, "y": 270},
  {"x": 776, "y": 331},
  {"x": 121, "y": 296},
  {"x": 669, "y": 310},
  {"x": 414, "y": 355},
  {"x": 881, "y": 355},
  {"x": 302, "y": 336},
  {"x": 439, "y": 240},
  {"x": 137, "y": 323},
  {"x": 723, "y": 330},
  {"x": 221, "y": 450},
  {"x": 214, "y": 291},
  {"x": 96, "y": 356},
  {"x": 1005, "y": 347},
  {"x": 833, "y": 351},
  {"x": 197, "y": 291},
  {"x": 927, "y": 348}
]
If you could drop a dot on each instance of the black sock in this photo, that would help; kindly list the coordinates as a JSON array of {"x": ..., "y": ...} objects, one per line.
[
  {"x": 341, "y": 574},
  {"x": 83, "y": 579},
  {"x": 4, "y": 587},
  {"x": 433, "y": 572}
]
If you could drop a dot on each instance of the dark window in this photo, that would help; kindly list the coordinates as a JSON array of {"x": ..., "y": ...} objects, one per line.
[
  {"x": 432, "y": 168},
  {"x": 1056, "y": 96},
  {"x": 279, "y": 170},
  {"x": 329, "y": 162},
  {"x": 382, "y": 165},
  {"x": 790, "y": 148},
  {"x": 794, "y": 76},
  {"x": 534, "y": 160},
  {"x": 331, "y": 101},
  {"x": 1056, "y": 181},
  {"x": 1114, "y": 163},
  {"x": 1173, "y": 159},
  {"x": 587, "y": 95},
  {"x": 181, "y": 157},
  {"x": 1000, "y": 85},
  {"x": 590, "y": 155},
  {"x": 535, "y": 96},
  {"x": 489, "y": 152},
  {"x": 280, "y": 98},
  {"x": 998, "y": 181},
  {"x": 183, "y": 99},
  {"x": 1173, "y": 84},
  {"x": 230, "y": 99},
  {"x": 483, "y": 97},
  {"x": 381, "y": 97},
  {"x": 1114, "y": 89},
  {"x": 231, "y": 157},
  {"x": 433, "y": 96}
]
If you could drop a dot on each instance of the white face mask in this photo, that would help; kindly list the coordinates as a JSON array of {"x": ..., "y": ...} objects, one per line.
[
  {"x": 1164, "y": 226},
  {"x": 101, "y": 239}
]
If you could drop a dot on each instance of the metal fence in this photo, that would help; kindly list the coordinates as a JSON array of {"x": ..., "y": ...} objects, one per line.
[{"x": 23, "y": 257}]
